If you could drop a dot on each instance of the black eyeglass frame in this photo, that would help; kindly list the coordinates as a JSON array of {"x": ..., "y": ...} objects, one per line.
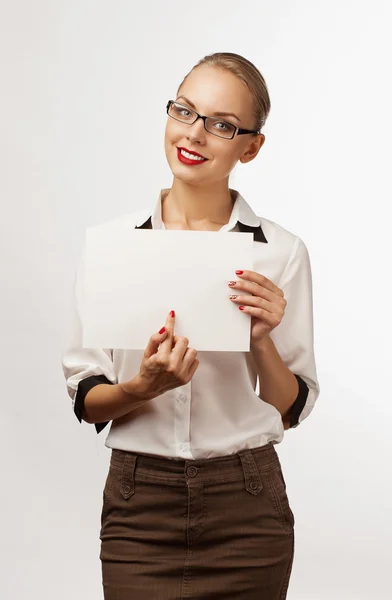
[{"x": 237, "y": 131}]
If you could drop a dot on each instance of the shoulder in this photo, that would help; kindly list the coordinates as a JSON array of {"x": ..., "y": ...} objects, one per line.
[
  {"x": 284, "y": 255},
  {"x": 281, "y": 239}
]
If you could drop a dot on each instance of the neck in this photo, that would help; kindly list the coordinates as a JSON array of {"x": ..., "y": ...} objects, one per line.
[{"x": 192, "y": 206}]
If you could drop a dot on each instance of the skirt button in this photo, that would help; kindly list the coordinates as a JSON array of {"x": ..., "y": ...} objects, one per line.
[{"x": 191, "y": 471}]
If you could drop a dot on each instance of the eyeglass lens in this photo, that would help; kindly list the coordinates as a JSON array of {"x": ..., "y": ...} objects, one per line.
[{"x": 215, "y": 126}]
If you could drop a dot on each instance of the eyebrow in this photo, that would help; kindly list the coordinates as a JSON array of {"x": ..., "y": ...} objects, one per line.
[{"x": 217, "y": 114}]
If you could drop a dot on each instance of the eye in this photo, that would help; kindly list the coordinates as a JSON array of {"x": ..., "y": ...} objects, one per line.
[
  {"x": 181, "y": 111},
  {"x": 223, "y": 126}
]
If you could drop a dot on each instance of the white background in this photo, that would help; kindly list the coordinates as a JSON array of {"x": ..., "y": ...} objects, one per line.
[{"x": 84, "y": 86}]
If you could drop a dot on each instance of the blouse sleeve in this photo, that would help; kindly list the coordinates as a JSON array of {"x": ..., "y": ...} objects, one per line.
[
  {"x": 294, "y": 336},
  {"x": 83, "y": 368}
]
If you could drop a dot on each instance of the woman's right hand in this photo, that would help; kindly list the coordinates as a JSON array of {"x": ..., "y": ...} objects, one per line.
[{"x": 167, "y": 363}]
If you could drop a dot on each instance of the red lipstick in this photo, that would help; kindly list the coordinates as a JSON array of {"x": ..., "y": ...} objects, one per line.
[{"x": 188, "y": 161}]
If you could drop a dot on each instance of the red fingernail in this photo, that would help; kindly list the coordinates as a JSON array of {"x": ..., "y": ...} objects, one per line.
[
  {"x": 239, "y": 272},
  {"x": 241, "y": 307},
  {"x": 162, "y": 330},
  {"x": 172, "y": 313}
]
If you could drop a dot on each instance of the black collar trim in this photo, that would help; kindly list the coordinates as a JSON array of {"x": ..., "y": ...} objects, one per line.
[{"x": 258, "y": 233}]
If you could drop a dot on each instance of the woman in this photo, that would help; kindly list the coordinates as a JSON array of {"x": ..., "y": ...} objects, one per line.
[{"x": 195, "y": 502}]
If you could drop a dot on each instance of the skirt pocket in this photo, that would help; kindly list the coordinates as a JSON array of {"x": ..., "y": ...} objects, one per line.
[
  {"x": 107, "y": 493},
  {"x": 277, "y": 488}
]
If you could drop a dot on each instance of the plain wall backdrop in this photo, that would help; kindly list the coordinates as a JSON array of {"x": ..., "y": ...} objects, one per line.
[{"x": 83, "y": 90}]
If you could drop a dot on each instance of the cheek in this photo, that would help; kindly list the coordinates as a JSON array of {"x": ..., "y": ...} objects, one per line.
[
  {"x": 173, "y": 132},
  {"x": 170, "y": 139},
  {"x": 228, "y": 156},
  {"x": 167, "y": 135}
]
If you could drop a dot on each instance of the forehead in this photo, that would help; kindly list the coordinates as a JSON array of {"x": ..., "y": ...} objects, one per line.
[{"x": 212, "y": 89}]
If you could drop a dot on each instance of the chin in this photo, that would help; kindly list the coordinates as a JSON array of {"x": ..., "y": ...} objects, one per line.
[{"x": 184, "y": 176}]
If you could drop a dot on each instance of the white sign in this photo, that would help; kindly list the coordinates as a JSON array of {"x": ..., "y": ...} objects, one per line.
[{"x": 134, "y": 277}]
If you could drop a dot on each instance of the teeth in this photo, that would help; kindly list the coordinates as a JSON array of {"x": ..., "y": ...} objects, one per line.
[{"x": 191, "y": 156}]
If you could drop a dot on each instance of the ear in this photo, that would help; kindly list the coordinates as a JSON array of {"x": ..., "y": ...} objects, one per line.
[{"x": 253, "y": 149}]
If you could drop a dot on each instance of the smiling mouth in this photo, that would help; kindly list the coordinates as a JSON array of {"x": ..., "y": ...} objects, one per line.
[
  {"x": 191, "y": 155},
  {"x": 190, "y": 160}
]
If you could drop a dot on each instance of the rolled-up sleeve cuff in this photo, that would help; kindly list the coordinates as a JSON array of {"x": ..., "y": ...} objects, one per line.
[
  {"x": 299, "y": 402},
  {"x": 84, "y": 386}
]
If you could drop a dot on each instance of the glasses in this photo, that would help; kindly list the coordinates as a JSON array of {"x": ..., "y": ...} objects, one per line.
[{"x": 223, "y": 129}]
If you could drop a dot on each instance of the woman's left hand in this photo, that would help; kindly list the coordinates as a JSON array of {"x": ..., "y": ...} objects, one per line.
[{"x": 266, "y": 305}]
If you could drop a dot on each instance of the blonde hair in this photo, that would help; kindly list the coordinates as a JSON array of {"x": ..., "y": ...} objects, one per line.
[{"x": 248, "y": 73}]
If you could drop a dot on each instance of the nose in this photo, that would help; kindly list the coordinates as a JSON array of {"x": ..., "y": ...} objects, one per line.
[{"x": 196, "y": 131}]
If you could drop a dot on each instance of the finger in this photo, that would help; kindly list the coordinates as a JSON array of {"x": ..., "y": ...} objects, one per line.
[
  {"x": 261, "y": 280},
  {"x": 254, "y": 301},
  {"x": 193, "y": 368},
  {"x": 262, "y": 292},
  {"x": 253, "y": 288},
  {"x": 154, "y": 342},
  {"x": 167, "y": 344},
  {"x": 271, "y": 319},
  {"x": 189, "y": 357},
  {"x": 180, "y": 348}
]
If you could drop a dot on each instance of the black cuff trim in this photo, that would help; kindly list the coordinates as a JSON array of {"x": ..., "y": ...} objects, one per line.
[
  {"x": 84, "y": 386},
  {"x": 300, "y": 401}
]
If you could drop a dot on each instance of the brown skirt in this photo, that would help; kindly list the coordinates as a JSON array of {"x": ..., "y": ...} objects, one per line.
[{"x": 211, "y": 528}]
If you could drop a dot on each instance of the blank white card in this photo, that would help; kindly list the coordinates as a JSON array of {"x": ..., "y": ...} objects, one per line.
[{"x": 134, "y": 277}]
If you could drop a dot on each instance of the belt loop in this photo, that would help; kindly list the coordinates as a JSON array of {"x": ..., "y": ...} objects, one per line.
[
  {"x": 128, "y": 476},
  {"x": 253, "y": 483}
]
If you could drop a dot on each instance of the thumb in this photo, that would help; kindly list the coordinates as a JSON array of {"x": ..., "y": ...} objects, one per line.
[{"x": 155, "y": 340}]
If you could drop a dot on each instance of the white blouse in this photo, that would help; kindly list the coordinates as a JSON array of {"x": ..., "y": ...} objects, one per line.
[{"x": 219, "y": 412}]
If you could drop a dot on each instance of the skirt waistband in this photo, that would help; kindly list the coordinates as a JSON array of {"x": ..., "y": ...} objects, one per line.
[{"x": 265, "y": 457}]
